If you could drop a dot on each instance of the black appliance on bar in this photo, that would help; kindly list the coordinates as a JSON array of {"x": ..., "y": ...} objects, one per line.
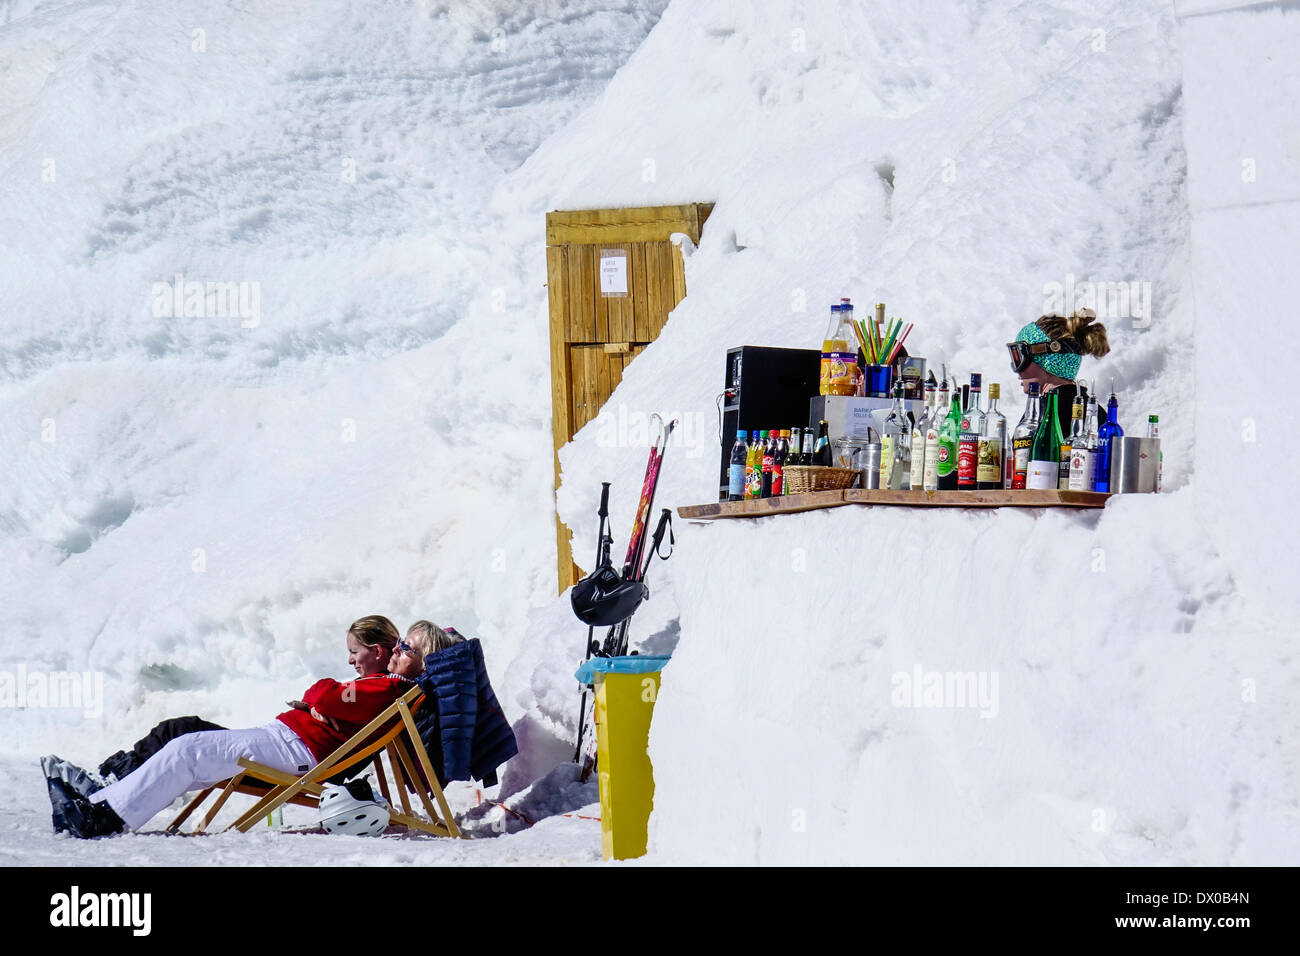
[{"x": 765, "y": 388}]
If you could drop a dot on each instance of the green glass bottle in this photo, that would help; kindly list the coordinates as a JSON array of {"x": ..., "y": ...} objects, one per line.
[
  {"x": 1045, "y": 452},
  {"x": 949, "y": 436}
]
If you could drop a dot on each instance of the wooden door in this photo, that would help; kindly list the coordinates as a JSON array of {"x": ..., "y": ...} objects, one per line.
[{"x": 595, "y": 336}]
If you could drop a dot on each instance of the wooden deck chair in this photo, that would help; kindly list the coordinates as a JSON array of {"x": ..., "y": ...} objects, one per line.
[{"x": 393, "y": 732}]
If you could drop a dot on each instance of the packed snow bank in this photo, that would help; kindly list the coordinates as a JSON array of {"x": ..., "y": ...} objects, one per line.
[
  {"x": 955, "y": 163},
  {"x": 201, "y": 499},
  {"x": 1018, "y": 687},
  {"x": 1243, "y": 95}
]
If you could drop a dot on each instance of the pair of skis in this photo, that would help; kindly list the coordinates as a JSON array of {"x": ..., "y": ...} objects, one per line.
[{"x": 634, "y": 569}]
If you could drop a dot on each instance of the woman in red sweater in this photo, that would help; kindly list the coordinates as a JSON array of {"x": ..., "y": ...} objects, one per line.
[{"x": 329, "y": 713}]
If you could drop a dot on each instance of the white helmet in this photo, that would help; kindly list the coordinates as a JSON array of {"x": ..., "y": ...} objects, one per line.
[{"x": 352, "y": 808}]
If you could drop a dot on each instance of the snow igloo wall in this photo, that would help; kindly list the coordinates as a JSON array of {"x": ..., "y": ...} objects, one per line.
[{"x": 915, "y": 686}]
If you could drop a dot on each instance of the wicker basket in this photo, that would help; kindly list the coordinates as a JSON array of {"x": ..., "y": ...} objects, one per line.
[{"x": 800, "y": 479}]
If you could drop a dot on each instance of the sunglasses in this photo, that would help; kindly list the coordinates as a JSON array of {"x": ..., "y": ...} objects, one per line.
[
  {"x": 1022, "y": 353},
  {"x": 403, "y": 648}
]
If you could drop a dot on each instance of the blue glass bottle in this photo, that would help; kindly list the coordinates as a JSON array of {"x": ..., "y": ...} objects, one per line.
[{"x": 1109, "y": 430}]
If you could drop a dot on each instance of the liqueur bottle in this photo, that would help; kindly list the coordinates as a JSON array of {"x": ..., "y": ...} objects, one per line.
[
  {"x": 1023, "y": 437},
  {"x": 930, "y": 479},
  {"x": 917, "y": 477},
  {"x": 972, "y": 426},
  {"x": 949, "y": 434},
  {"x": 992, "y": 446}
]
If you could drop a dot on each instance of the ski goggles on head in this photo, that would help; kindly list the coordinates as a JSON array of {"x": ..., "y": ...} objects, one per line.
[{"x": 1022, "y": 353}]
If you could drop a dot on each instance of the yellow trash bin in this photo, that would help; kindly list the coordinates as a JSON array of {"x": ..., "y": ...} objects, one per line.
[{"x": 626, "y": 688}]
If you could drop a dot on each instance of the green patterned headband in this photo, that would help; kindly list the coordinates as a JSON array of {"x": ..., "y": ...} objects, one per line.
[{"x": 1061, "y": 364}]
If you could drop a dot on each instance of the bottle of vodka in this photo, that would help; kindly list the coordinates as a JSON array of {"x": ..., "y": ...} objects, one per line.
[
  {"x": 1109, "y": 431},
  {"x": 896, "y": 445}
]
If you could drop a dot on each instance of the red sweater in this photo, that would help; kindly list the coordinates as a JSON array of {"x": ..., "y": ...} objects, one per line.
[{"x": 352, "y": 704}]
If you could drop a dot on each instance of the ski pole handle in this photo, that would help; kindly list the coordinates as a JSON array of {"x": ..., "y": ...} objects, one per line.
[{"x": 604, "y": 500}]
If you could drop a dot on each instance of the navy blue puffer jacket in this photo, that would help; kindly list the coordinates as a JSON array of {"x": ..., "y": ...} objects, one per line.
[{"x": 462, "y": 725}]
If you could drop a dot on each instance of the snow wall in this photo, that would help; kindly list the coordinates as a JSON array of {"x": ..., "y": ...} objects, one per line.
[
  {"x": 877, "y": 686},
  {"x": 199, "y": 500}
]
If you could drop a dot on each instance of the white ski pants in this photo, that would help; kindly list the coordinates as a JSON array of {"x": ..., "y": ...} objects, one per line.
[{"x": 199, "y": 760}]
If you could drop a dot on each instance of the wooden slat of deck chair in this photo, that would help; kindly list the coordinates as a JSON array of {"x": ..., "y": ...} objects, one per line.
[
  {"x": 367, "y": 741},
  {"x": 252, "y": 780},
  {"x": 383, "y": 780},
  {"x": 399, "y": 778},
  {"x": 430, "y": 781},
  {"x": 190, "y": 807}
]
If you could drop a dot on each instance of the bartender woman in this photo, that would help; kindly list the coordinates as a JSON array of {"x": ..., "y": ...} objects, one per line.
[{"x": 1049, "y": 351}]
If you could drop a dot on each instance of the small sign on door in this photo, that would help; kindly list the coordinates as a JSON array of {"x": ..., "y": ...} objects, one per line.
[{"x": 613, "y": 273}]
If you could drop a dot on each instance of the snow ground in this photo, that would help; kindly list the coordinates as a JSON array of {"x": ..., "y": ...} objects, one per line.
[{"x": 28, "y": 839}]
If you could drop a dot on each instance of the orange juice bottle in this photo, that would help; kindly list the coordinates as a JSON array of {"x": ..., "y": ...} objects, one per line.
[{"x": 839, "y": 353}]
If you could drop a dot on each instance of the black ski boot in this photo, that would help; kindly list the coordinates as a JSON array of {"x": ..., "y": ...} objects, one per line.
[{"x": 74, "y": 813}]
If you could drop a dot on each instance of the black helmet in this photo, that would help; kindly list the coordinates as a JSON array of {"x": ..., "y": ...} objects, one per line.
[{"x": 603, "y": 598}]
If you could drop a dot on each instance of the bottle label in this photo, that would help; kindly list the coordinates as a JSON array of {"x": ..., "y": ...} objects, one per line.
[
  {"x": 947, "y": 458},
  {"x": 1020, "y": 460},
  {"x": 1063, "y": 480},
  {"x": 1043, "y": 475},
  {"x": 886, "y": 459},
  {"x": 916, "y": 474},
  {"x": 736, "y": 480},
  {"x": 778, "y": 480},
  {"x": 821, "y": 451},
  {"x": 967, "y": 452},
  {"x": 841, "y": 372},
  {"x": 930, "y": 471},
  {"x": 1080, "y": 470},
  {"x": 754, "y": 483},
  {"x": 988, "y": 463}
]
